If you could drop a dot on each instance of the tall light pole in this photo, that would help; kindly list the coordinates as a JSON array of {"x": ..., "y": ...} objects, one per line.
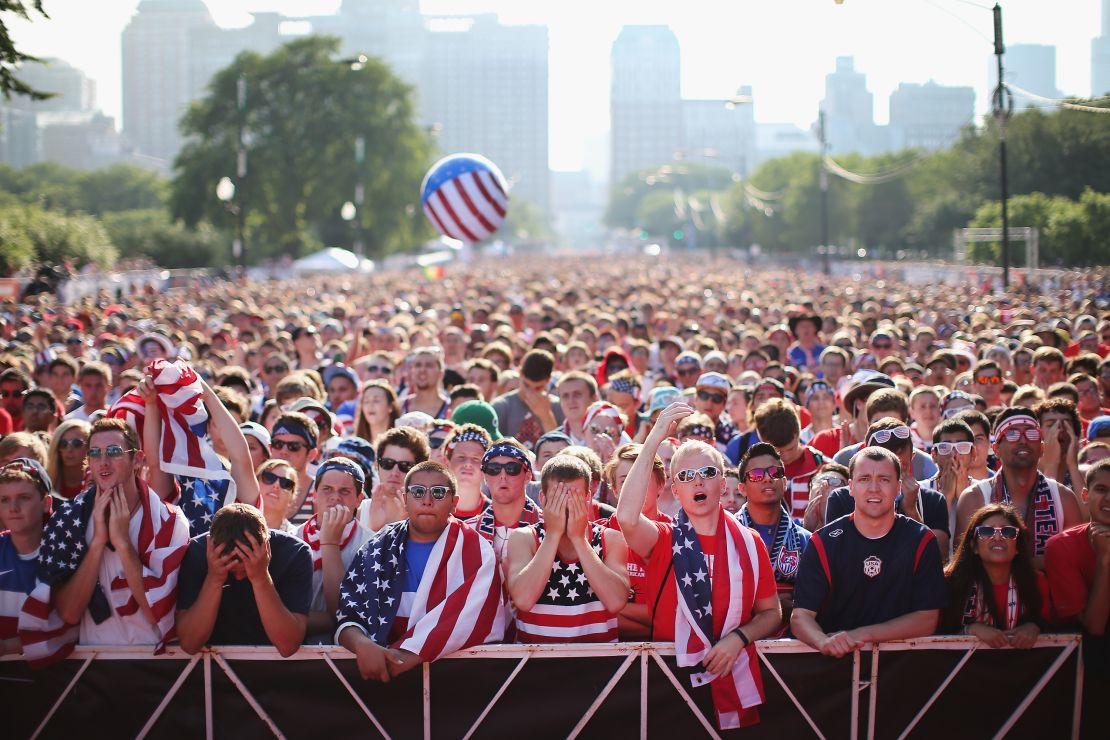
[
  {"x": 824, "y": 248},
  {"x": 348, "y": 212},
  {"x": 225, "y": 192},
  {"x": 1003, "y": 107},
  {"x": 360, "y": 193}
]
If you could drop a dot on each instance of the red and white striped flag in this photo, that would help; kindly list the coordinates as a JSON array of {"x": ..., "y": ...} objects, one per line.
[{"x": 163, "y": 540}]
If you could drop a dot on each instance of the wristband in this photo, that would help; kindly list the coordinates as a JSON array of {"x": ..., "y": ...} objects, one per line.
[{"x": 740, "y": 633}]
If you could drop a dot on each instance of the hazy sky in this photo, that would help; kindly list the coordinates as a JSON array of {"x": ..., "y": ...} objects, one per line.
[{"x": 783, "y": 48}]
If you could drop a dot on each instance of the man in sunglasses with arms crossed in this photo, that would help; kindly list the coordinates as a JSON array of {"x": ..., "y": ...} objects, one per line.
[
  {"x": 424, "y": 587},
  {"x": 709, "y": 579},
  {"x": 1046, "y": 506}
]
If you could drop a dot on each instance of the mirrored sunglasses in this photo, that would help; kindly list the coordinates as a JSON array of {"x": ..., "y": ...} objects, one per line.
[
  {"x": 708, "y": 472},
  {"x": 111, "y": 451},
  {"x": 758, "y": 475},
  {"x": 438, "y": 492}
]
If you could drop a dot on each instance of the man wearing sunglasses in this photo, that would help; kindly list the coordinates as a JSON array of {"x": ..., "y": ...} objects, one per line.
[
  {"x": 1046, "y": 506},
  {"x": 914, "y": 500},
  {"x": 710, "y": 397},
  {"x": 687, "y": 369},
  {"x": 398, "y": 450},
  {"x": 397, "y": 594},
  {"x": 956, "y": 455},
  {"x": 777, "y": 423},
  {"x": 293, "y": 439},
  {"x": 507, "y": 471},
  {"x": 871, "y": 577},
  {"x": 763, "y": 481},
  {"x": 694, "y": 566}
]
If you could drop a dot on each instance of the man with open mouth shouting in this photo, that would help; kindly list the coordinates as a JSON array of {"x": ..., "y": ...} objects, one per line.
[{"x": 709, "y": 579}]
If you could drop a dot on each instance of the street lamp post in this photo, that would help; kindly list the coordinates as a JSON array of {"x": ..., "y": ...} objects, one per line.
[
  {"x": 348, "y": 212},
  {"x": 360, "y": 193},
  {"x": 225, "y": 191},
  {"x": 824, "y": 248}
]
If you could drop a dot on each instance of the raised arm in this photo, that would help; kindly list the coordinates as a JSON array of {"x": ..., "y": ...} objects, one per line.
[
  {"x": 157, "y": 479},
  {"x": 226, "y": 429}
]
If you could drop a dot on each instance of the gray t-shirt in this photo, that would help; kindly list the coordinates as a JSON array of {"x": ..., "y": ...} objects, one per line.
[{"x": 515, "y": 419}]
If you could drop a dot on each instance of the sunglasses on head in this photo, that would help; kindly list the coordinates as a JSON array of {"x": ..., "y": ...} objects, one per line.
[
  {"x": 494, "y": 469},
  {"x": 281, "y": 444},
  {"x": 438, "y": 492},
  {"x": 112, "y": 451},
  {"x": 388, "y": 463},
  {"x": 986, "y": 532},
  {"x": 709, "y": 396},
  {"x": 946, "y": 448},
  {"x": 708, "y": 472},
  {"x": 75, "y": 443},
  {"x": 1031, "y": 433},
  {"x": 758, "y": 475},
  {"x": 270, "y": 479},
  {"x": 883, "y": 435}
]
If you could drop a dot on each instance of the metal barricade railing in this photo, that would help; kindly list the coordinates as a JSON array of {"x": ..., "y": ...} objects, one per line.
[{"x": 629, "y": 654}]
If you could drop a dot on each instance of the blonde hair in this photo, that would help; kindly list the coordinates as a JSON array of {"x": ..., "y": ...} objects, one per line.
[
  {"x": 693, "y": 447},
  {"x": 54, "y": 456}
]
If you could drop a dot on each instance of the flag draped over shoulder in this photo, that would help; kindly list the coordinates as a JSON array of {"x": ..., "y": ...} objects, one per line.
[
  {"x": 735, "y": 572},
  {"x": 163, "y": 540},
  {"x": 456, "y": 606}
]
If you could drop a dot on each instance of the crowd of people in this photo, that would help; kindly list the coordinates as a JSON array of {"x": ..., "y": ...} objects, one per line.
[{"x": 553, "y": 451}]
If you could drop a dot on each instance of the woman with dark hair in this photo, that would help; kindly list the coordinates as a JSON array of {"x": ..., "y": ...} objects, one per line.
[
  {"x": 994, "y": 592},
  {"x": 378, "y": 409}
]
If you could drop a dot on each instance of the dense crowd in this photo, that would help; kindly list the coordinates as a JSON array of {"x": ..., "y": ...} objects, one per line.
[{"x": 557, "y": 451}]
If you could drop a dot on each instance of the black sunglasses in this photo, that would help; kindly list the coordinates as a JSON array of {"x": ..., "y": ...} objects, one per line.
[
  {"x": 494, "y": 469},
  {"x": 281, "y": 444},
  {"x": 438, "y": 492},
  {"x": 714, "y": 397},
  {"x": 388, "y": 463},
  {"x": 270, "y": 479},
  {"x": 271, "y": 369},
  {"x": 986, "y": 532}
]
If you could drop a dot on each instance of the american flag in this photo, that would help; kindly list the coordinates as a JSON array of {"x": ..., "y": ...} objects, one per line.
[
  {"x": 725, "y": 586},
  {"x": 465, "y": 197},
  {"x": 311, "y": 535},
  {"x": 163, "y": 540},
  {"x": 456, "y": 606}
]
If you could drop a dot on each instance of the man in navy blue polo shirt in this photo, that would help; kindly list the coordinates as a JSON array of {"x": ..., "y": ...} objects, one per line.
[{"x": 870, "y": 576}]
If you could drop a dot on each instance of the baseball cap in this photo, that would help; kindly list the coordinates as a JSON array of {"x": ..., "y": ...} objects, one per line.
[
  {"x": 1099, "y": 426},
  {"x": 716, "y": 381},
  {"x": 662, "y": 397},
  {"x": 480, "y": 413},
  {"x": 259, "y": 432}
]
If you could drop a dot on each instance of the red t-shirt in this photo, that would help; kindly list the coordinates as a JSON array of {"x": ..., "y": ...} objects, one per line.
[
  {"x": 637, "y": 568},
  {"x": 798, "y": 474},
  {"x": 665, "y": 593},
  {"x": 827, "y": 442},
  {"x": 6, "y": 422},
  {"x": 1069, "y": 563}
]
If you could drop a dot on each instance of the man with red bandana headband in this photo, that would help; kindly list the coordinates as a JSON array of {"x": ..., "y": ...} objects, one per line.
[{"x": 1046, "y": 506}]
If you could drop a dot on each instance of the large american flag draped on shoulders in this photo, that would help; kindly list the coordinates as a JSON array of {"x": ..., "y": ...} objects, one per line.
[
  {"x": 163, "y": 540},
  {"x": 457, "y": 604},
  {"x": 731, "y": 589}
]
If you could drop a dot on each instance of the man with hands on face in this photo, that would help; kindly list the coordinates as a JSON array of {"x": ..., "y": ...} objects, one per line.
[
  {"x": 567, "y": 576},
  {"x": 709, "y": 578},
  {"x": 334, "y": 536},
  {"x": 244, "y": 584},
  {"x": 954, "y": 452},
  {"x": 108, "y": 566},
  {"x": 872, "y": 575},
  {"x": 398, "y": 608}
]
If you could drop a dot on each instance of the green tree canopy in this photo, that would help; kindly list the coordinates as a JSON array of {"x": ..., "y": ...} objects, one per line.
[
  {"x": 51, "y": 237},
  {"x": 303, "y": 112}
]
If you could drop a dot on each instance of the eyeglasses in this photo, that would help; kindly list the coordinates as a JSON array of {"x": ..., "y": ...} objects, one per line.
[
  {"x": 37, "y": 408},
  {"x": 758, "y": 475},
  {"x": 270, "y": 479},
  {"x": 493, "y": 469},
  {"x": 883, "y": 435},
  {"x": 272, "y": 369},
  {"x": 707, "y": 473},
  {"x": 281, "y": 444},
  {"x": 438, "y": 492},
  {"x": 1031, "y": 433},
  {"x": 714, "y": 397},
  {"x": 831, "y": 481},
  {"x": 946, "y": 448},
  {"x": 388, "y": 463},
  {"x": 75, "y": 444},
  {"x": 382, "y": 369},
  {"x": 988, "y": 379},
  {"x": 10, "y": 394},
  {"x": 112, "y": 451},
  {"x": 986, "y": 532}
]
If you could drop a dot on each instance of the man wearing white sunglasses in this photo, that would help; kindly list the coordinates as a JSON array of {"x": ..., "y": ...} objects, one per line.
[
  {"x": 954, "y": 452},
  {"x": 1046, "y": 506}
]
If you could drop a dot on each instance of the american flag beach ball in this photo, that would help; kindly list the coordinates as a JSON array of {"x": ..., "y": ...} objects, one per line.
[{"x": 465, "y": 197}]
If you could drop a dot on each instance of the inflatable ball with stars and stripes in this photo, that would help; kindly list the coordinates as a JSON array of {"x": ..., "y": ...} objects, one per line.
[{"x": 465, "y": 197}]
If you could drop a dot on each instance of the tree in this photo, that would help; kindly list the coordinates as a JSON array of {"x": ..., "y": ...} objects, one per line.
[
  {"x": 303, "y": 113},
  {"x": 151, "y": 234},
  {"x": 56, "y": 237},
  {"x": 10, "y": 56},
  {"x": 626, "y": 196}
]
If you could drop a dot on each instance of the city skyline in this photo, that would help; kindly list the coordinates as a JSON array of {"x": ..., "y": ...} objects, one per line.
[{"x": 718, "y": 52}]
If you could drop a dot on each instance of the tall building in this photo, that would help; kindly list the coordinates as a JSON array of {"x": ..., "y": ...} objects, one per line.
[
  {"x": 391, "y": 30},
  {"x": 484, "y": 89},
  {"x": 211, "y": 48},
  {"x": 645, "y": 101},
  {"x": 157, "y": 83},
  {"x": 930, "y": 116},
  {"x": 1100, "y": 56},
  {"x": 850, "y": 111},
  {"x": 73, "y": 90},
  {"x": 720, "y": 133},
  {"x": 1031, "y": 67}
]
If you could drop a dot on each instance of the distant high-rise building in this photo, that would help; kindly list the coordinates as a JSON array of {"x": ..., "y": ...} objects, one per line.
[
  {"x": 850, "y": 111},
  {"x": 211, "y": 48},
  {"x": 720, "y": 133},
  {"x": 1100, "y": 56},
  {"x": 484, "y": 90},
  {"x": 1031, "y": 67},
  {"x": 157, "y": 83},
  {"x": 391, "y": 30},
  {"x": 73, "y": 90},
  {"x": 930, "y": 116},
  {"x": 645, "y": 101}
]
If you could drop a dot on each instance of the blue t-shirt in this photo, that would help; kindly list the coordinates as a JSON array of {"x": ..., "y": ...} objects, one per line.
[
  {"x": 850, "y": 580},
  {"x": 17, "y": 578},
  {"x": 416, "y": 560},
  {"x": 739, "y": 444}
]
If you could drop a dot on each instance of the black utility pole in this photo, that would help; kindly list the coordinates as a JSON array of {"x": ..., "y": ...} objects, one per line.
[
  {"x": 825, "y": 247},
  {"x": 1003, "y": 106}
]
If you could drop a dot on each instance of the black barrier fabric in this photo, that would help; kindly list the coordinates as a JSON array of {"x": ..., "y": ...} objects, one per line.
[{"x": 304, "y": 698}]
